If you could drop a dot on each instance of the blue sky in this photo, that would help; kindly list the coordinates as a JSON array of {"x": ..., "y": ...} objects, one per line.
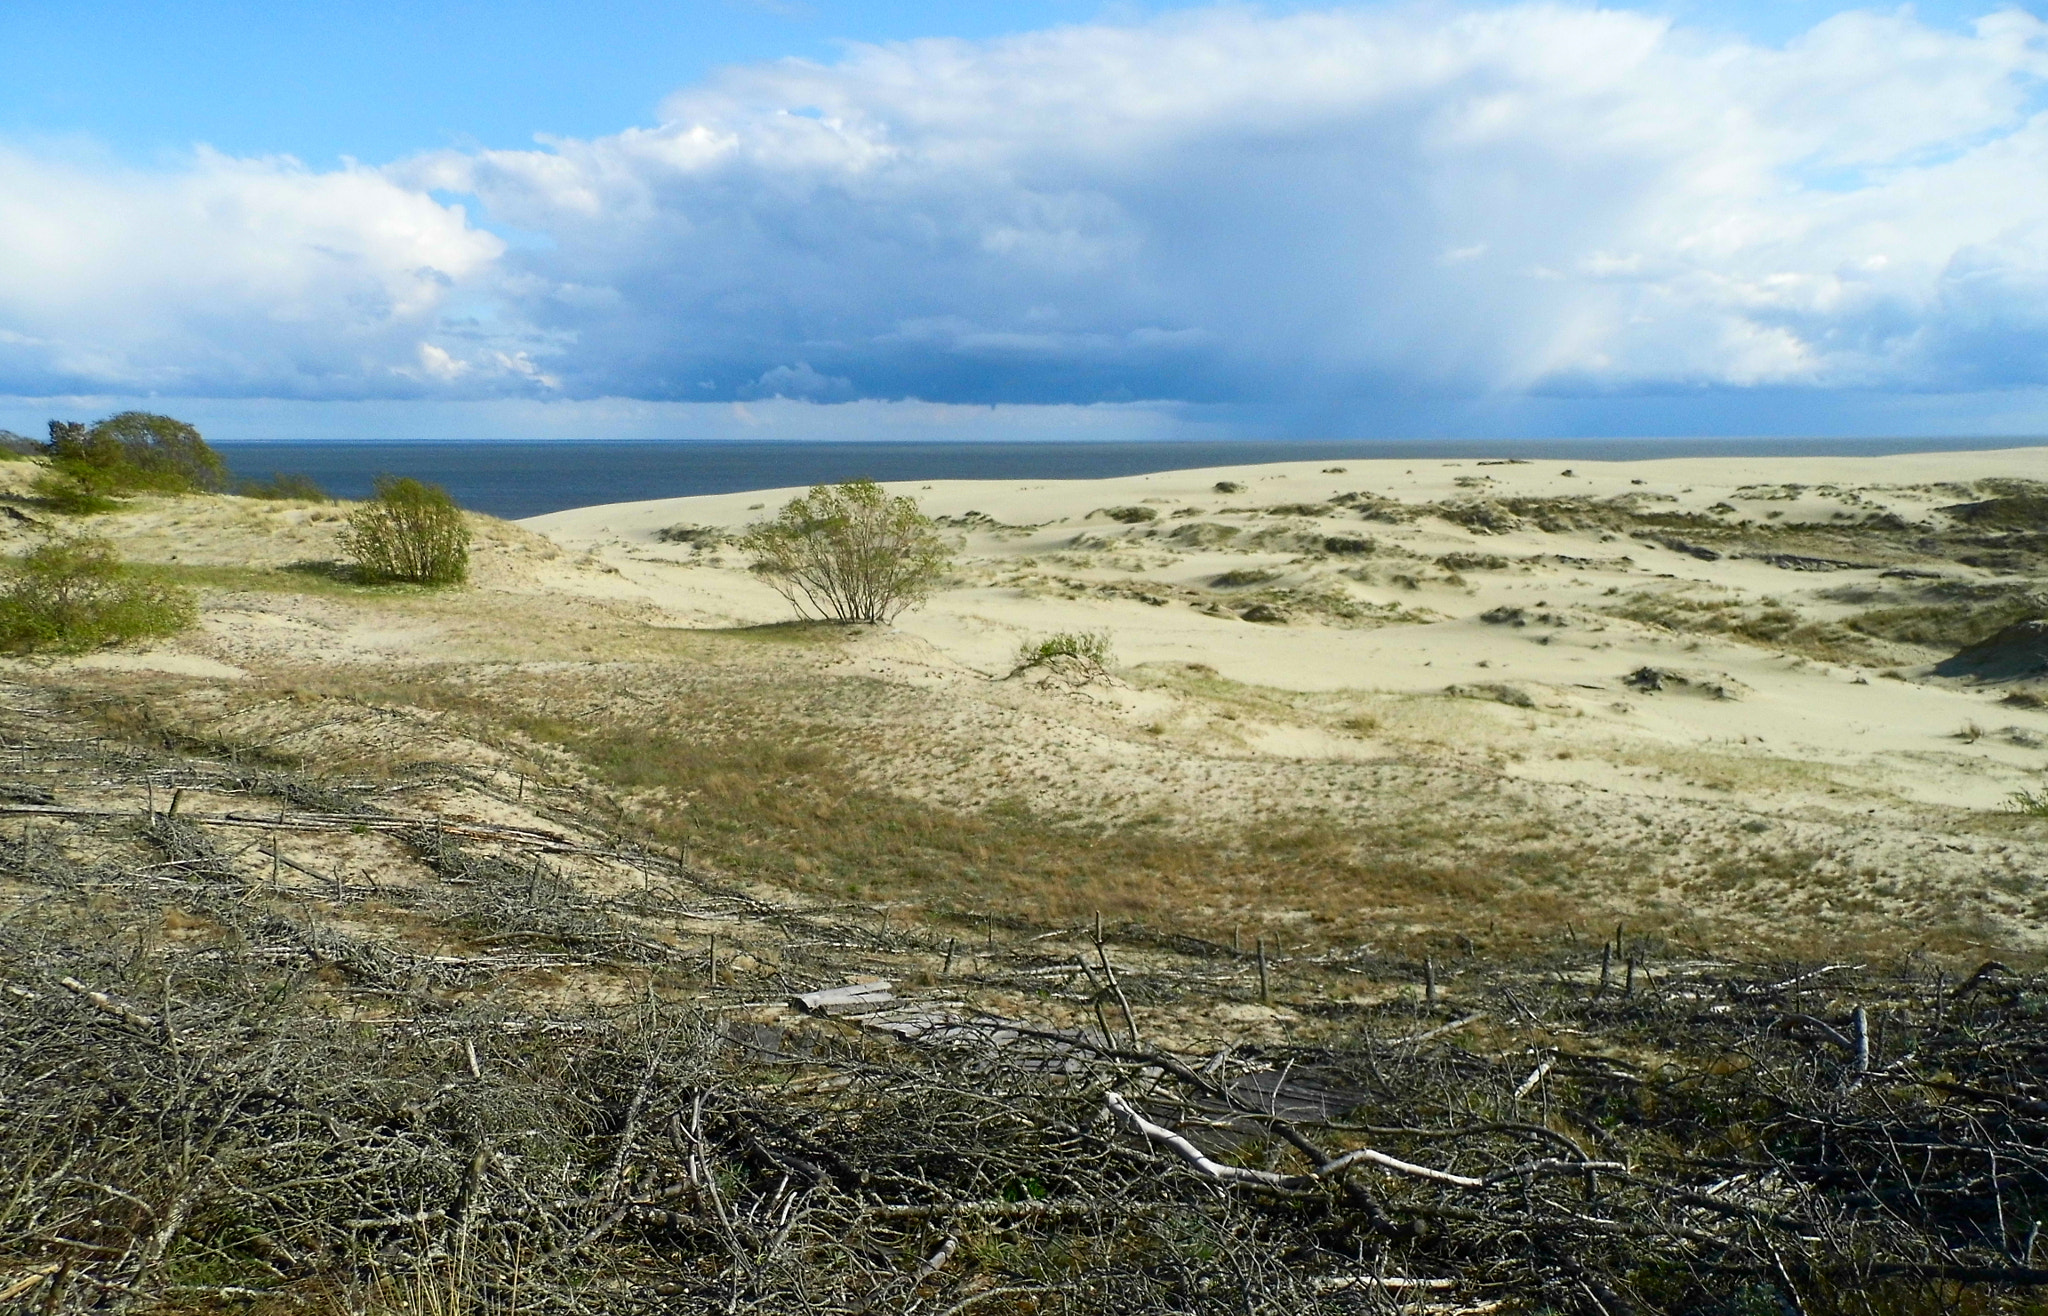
[
  {"x": 377, "y": 81},
  {"x": 381, "y": 80},
  {"x": 825, "y": 219}
]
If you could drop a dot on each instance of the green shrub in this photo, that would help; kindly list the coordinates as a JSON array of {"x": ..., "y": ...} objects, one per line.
[
  {"x": 61, "y": 493},
  {"x": 1089, "y": 647},
  {"x": 410, "y": 531},
  {"x": 135, "y": 452},
  {"x": 849, "y": 553},
  {"x": 69, "y": 595},
  {"x": 284, "y": 486}
]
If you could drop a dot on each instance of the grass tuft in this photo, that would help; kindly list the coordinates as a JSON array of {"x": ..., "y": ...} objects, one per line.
[{"x": 2033, "y": 804}]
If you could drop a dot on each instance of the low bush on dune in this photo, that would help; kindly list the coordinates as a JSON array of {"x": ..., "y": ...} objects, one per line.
[
  {"x": 69, "y": 497},
  {"x": 411, "y": 531},
  {"x": 1089, "y": 648},
  {"x": 284, "y": 487},
  {"x": 70, "y": 595}
]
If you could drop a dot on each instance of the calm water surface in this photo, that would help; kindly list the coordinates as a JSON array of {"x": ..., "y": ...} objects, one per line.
[{"x": 514, "y": 478}]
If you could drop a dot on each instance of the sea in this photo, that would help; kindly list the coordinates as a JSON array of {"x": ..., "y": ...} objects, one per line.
[{"x": 515, "y": 478}]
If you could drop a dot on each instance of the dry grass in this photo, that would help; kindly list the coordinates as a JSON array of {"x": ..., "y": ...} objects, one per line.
[{"x": 760, "y": 773}]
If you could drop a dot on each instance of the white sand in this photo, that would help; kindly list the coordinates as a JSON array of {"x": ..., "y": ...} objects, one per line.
[{"x": 1049, "y": 561}]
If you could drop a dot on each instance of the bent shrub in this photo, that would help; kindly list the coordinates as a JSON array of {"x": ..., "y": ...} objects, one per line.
[
  {"x": 849, "y": 553},
  {"x": 1088, "y": 649},
  {"x": 284, "y": 486},
  {"x": 411, "y": 531},
  {"x": 135, "y": 451},
  {"x": 70, "y": 595}
]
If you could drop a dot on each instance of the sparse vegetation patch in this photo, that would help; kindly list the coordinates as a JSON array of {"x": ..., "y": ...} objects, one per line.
[
  {"x": 284, "y": 486},
  {"x": 1088, "y": 648},
  {"x": 696, "y": 536}
]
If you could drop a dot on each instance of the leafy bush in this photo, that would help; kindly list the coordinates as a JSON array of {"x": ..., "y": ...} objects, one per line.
[
  {"x": 410, "y": 531},
  {"x": 1089, "y": 647},
  {"x": 62, "y": 494},
  {"x": 283, "y": 486},
  {"x": 1131, "y": 515},
  {"x": 69, "y": 595},
  {"x": 135, "y": 451},
  {"x": 849, "y": 553}
]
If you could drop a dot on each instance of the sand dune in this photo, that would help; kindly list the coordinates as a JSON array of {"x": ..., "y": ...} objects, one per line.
[
  {"x": 1702, "y": 694},
  {"x": 1543, "y": 588}
]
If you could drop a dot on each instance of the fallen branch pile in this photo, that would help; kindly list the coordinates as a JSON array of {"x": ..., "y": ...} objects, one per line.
[{"x": 221, "y": 1083}]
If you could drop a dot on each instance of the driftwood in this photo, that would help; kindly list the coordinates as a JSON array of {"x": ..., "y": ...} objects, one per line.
[{"x": 857, "y": 999}]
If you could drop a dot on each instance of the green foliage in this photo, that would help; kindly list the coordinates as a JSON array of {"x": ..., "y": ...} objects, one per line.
[
  {"x": 1131, "y": 515},
  {"x": 284, "y": 486},
  {"x": 410, "y": 531},
  {"x": 1090, "y": 647},
  {"x": 134, "y": 452},
  {"x": 60, "y": 493},
  {"x": 2033, "y": 804},
  {"x": 849, "y": 553},
  {"x": 70, "y": 595}
]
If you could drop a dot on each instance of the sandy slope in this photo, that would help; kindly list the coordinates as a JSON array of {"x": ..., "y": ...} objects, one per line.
[
  {"x": 1429, "y": 674},
  {"x": 1043, "y": 556}
]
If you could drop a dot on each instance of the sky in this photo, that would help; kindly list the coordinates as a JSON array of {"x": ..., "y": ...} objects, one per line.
[{"x": 1045, "y": 218}]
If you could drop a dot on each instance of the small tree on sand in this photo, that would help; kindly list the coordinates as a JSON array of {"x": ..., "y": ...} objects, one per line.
[
  {"x": 136, "y": 451},
  {"x": 410, "y": 531},
  {"x": 849, "y": 553},
  {"x": 133, "y": 452}
]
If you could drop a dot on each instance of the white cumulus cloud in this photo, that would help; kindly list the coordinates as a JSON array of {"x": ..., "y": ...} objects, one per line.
[
  {"x": 227, "y": 276},
  {"x": 1358, "y": 205}
]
